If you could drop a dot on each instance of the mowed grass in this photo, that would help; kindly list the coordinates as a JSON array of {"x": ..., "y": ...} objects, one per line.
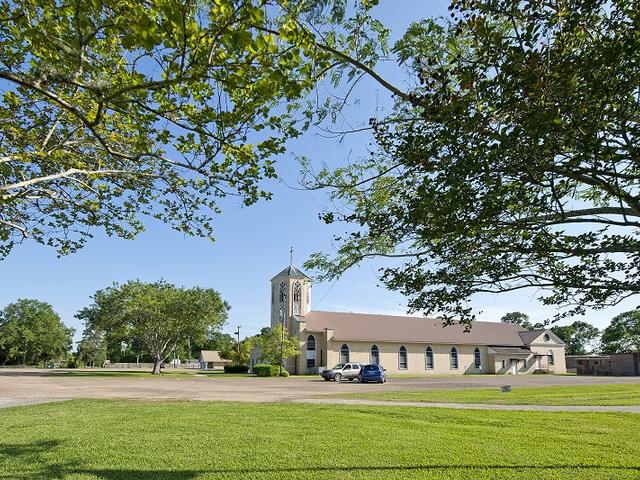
[
  {"x": 142, "y": 373},
  {"x": 166, "y": 373},
  {"x": 617, "y": 394},
  {"x": 127, "y": 440}
]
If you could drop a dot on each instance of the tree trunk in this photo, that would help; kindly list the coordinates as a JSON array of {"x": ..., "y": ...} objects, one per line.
[{"x": 156, "y": 365}]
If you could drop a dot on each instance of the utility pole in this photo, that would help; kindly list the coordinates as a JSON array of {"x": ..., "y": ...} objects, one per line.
[
  {"x": 237, "y": 333},
  {"x": 281, "y": 335},
  {"x": 281, "y": 346}
]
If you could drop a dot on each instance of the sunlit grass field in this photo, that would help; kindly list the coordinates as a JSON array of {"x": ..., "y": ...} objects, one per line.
[
  {"x": 141, "y": 373},
  {"x": 618, "y": 394},
  {"x": 128, "y": 440}
]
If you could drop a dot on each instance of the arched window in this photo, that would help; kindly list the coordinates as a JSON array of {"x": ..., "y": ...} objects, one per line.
[
  {"x": 311, "y": 351},
  {"x": 344, "y": 353},
  {"x": 477, "y": 359},
  {"x": 551, "y": 359},
  {"x": 428, "y": 358},
  {"x": 546, "y": 337},
  {"x": 454, "y": 358},
  {"x": 402, "y": 358},
  {"x": 374, "y": 355},
  {"x": 283, "y": 292},
  {"x": 297, "y": 298}
]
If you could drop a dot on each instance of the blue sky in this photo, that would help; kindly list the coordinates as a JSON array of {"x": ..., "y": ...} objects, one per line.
[{"x": 252, "y": 243}]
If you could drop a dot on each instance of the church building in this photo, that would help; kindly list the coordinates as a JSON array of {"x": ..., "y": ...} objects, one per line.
[{"x": 404, "y": 344}]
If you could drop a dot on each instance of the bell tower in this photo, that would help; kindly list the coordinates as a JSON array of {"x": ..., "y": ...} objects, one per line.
[{"x": 290, "y": 296}]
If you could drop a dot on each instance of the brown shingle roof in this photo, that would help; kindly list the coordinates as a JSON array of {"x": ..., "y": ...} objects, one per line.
[
  {"x": 211, "y": 356},
  {"x": 390, "y": 328},
  {"x": 529, "y": 336},
  {"x": 513, "y": 351}
]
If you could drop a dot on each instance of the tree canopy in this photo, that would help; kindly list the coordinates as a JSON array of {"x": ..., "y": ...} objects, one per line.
[
  {"x": 510, "y": 162},
  {"x": 92, "y": 349},
  {"x": 517, "y": 318},
  {"x": 215, "y": 340},
  {"x": 240, "y": 353},
  {"x": 116, "y": 110},
  {"x": 578, "y": 336},
  {"x": 623, "y": 334},
  {"x": 159, "y": 317},
  {"x": 32, "y": 333},
  {"x": 276, "y": 345}
]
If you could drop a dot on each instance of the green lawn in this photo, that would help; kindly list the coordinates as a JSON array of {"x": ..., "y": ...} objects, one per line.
[
  {"x": 140, "y": 373},
  {"x": 620, "y": 394},
  {"x": 147, "y": 373},
  {"x": 127, "y": 440}
]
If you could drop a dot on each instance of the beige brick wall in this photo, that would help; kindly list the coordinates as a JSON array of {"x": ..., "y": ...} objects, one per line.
[
  {"x": 559, "y": 365},
  {"x": 416, "y": 357},
  {"x": 328, "y": 355}
]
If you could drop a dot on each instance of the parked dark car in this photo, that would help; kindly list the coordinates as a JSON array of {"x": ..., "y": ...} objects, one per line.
[
  {"x": 342, "y": 371},
  {"x": 372, "y": 373}
]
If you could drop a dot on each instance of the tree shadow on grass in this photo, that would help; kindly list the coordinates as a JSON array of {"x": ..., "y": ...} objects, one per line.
[{"x": 31, "y": 464}]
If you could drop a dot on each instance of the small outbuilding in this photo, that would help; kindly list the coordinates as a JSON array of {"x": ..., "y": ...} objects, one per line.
[
  {"x": 616, "y": 364},
  {"x": 625, "y": 364},
  {"x": 210, "y": 360}
]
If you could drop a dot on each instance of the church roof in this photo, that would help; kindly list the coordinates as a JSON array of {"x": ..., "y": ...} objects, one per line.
[
  {"x": 390, "y": 328},
  {"x": 291, "y": 272},
  {"x": 529, "y": 336}
]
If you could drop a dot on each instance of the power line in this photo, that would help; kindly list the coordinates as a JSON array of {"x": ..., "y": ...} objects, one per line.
[{"x": 326, "y": 293}]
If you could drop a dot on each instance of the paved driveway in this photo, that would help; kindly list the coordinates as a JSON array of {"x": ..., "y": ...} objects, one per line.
[{"x": 36, "y": 386}]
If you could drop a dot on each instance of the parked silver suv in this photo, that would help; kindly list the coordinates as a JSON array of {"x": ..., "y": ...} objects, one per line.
[{"x": 342, "y": 371}]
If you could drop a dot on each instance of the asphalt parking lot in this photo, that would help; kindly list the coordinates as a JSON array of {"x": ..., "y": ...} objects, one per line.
[{"x": 36, "y": 386}]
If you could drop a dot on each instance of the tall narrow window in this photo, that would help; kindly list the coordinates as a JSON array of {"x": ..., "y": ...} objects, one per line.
[
  {"x": 311, "y": 351},
  {"x": 374, "y": 356},
  {"x": 283, "y": 292},
  {"x": 297, "y": 298},
  {"x": 428, "y": 355},
  {"x": 402, "y": 358},
  {"x": 454, "y": 358},
  {"x": 477, "y": 359},
  {"x": 344, "y": 353},
  {"x": 551, "y": 359}
]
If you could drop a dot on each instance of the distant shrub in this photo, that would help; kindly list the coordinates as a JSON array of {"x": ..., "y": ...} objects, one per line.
[
  {"x": 236, "y": 369},
  {"x": 72, "y": 362},
  {"x": 284, "y": 373},
  {"x": 265, "y": 370}
]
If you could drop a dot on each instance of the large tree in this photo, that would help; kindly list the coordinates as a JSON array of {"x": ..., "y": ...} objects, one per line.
[
  {"x": 32, "y": 333},
  {"x": 276, "y": 345},
  {"x": 92, "y": 349},
  {"x": 158, "y": 317},
  {"x": 623, "y": 334},
  {"x": 517, "y": 318},
  {"x": 216, "y": 340},
  {"x": 241, "y": 352},
  {"x": 578, "y": 336},
  {"x": 115, "y": 110},
  {"x": 512, "y": 160},
  {"x": 521, "y": 319}
]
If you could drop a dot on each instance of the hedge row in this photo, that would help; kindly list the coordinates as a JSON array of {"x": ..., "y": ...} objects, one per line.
[
  {"x": 265, "y": 370},
  {"x": 236, "y": 369}
]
